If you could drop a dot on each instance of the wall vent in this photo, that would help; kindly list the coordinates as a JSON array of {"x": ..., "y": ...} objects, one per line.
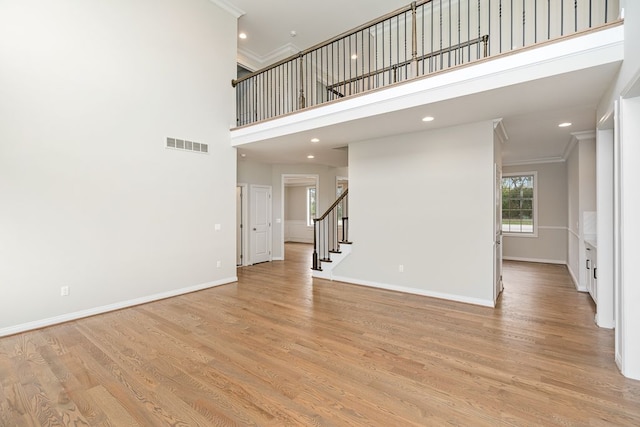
[{"x": 181, "y": 144}]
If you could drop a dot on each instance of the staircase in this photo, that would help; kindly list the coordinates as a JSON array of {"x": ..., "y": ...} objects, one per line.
[{"x": 331, "y": 238}]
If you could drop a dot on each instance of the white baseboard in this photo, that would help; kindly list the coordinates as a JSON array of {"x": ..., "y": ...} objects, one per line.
[
  {"x": 37, "y": 324},
  {"x": 539, "y": 260},
  {"x": 605, "y": 324},
  {"x": 277, "y": 258},
  {"x": 422, "y": 292},
  {"x": 618, "y": 359},
  {"x": 576, "y": 283}
]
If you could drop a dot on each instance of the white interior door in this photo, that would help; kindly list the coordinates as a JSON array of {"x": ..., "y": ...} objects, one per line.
[
  {"x": 260, "y": 223},
  {"x": 497, "y": 271}
]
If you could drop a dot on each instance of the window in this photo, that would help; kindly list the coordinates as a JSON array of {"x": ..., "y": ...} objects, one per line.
[
  {"x": 311, "y": 205},
  {"x": 519, "y": 204}
]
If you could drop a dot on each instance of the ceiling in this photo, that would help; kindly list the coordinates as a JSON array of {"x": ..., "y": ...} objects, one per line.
[
  {"x": 268, "y": 24},
  {"x": 531, "y": 126}
]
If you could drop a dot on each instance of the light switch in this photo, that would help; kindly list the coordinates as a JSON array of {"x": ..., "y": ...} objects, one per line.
[{"x": 216, "y": 227}]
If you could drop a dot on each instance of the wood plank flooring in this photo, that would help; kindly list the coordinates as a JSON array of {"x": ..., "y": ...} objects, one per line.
[{"x": 279, "y": 348}]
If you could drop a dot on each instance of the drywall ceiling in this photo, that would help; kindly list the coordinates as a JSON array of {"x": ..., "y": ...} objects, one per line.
[{"x": 268, "y": 24}]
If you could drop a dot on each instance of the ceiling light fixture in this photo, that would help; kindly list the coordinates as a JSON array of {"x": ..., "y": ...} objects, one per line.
[
  {"x": 564, "y": 125},
  {"x": 427, "y": 119},
  {"x": 311, "y": 156},
  {"x": 354, "y": 56},
  {"x": 314, "y": 140},
  {"x": 242, "y": 36}
]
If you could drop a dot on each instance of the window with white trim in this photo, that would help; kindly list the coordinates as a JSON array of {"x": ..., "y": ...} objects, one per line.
[
  {"x": 519, "y": 204},
  {"x": 311, "y": 205}
]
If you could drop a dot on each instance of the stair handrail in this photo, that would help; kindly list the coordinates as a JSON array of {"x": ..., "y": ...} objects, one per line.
[
  {"x": 332, "y": 207},
  {"x": 321, "y": 246}
]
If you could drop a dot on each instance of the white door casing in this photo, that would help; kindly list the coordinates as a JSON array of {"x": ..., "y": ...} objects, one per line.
[
  {"x": 497, "y": 272},
  {"x": 242, "y": 225},
  {"x": 260, "y": 224}
]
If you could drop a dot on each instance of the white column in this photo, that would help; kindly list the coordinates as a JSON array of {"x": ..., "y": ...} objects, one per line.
[
  {"x": 629, "y": 235},
  {"x": 604, "y": 197}
]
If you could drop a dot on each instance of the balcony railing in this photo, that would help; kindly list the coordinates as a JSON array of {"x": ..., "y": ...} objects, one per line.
[{"x": 417, "y": 40}]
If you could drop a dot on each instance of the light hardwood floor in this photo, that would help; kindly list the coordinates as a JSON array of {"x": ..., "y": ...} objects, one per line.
[{"x": 279, "y": 348}]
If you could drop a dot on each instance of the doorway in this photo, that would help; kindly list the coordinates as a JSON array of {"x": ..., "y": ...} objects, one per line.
[{"x": 300, "y": 196}]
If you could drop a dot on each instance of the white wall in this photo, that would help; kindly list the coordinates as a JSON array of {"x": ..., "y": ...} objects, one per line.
[
  {"x": 91, "y": 199},
  {"x": 295, "y": 218},
  {"x": 424, "y": 201},
  {"x": 253, "y": 172},
  {"x": 296, "y": 202},
  {"x": 551, "y": 243}
]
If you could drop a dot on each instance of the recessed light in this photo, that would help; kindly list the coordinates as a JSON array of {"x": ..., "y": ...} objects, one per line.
[
  {"x": 315, "y": 140},
  {"x": 293, "y": 33},
  {"x": 311, "y": 156},
  {"x": 427, "y": 119},
  {"x": 242, "y": 36},
  {"x": 243, "y": 155},
  {"x": 564, "y": 125},
  {"x": 354, "y": 56}
]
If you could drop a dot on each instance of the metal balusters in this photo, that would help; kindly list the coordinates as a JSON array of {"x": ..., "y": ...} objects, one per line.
[
  {"x": 326, "y": 239},
  {"x": 535, "y": 21},
  {"x": 561, "y": 17},
  {"x": 424, "y": 37},
  {"x": 524, "y": 23}
]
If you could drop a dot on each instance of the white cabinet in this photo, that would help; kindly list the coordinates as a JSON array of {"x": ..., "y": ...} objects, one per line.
[{"x": 592, "y": 270}]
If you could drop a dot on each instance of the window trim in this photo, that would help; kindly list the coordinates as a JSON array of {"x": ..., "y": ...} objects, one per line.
[
  {"x": 307, "y": 191},
  {"x": 535, "y": 204}
]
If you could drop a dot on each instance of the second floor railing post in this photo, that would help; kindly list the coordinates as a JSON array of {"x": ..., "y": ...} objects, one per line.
[
  {"x": 414, "y": 40},
  {"x": 314, "y": 257},
  {"x": 301, "y": 100}
]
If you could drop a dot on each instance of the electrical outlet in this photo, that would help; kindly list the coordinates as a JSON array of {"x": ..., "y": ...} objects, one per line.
[
  {"x": 401, "y": 268},
  {"x": 218, "y": 264},
  {"x": 64, "y": 291},
  {"x": 217, "y": 227}
]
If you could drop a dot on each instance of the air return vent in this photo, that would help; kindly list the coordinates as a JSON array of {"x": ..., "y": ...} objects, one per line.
[{"x": 181, "y": 144}]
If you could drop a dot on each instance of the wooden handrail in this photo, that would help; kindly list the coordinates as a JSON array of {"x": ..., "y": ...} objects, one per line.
[
  {"x": 338, "y": 200},
  {"x": 484, "y": 39}
]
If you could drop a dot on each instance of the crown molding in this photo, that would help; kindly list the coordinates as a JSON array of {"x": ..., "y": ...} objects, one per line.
[
  {"x": 499, "y": 130},
  {"x": 231, "y": 8},
  {"x": 257, "y": 61},
  {"x": 540, "y": 161},
  {"x": 575, "y": 138}
]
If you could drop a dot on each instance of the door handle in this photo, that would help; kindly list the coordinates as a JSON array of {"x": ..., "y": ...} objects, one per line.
[{"x": 255, "y": 229}]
